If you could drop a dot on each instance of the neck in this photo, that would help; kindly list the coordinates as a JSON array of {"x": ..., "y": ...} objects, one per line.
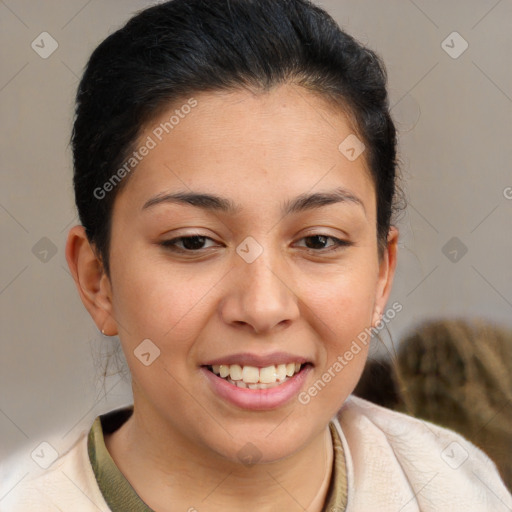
[{"x": 177, "y": 474}]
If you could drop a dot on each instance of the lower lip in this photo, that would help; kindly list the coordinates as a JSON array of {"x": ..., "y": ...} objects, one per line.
[{"x": 258, "y": 399}]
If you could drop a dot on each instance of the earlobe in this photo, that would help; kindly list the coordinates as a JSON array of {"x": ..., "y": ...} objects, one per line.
[
  {"x": 91, "y": 281},
  {"x": 377, "y": 316}
]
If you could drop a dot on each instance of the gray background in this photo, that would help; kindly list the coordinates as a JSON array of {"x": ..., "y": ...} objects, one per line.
[{"x": 454, "y": 117}]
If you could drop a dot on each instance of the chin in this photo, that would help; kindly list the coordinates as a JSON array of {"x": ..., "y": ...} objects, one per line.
[{"x": 264, "y": 442}]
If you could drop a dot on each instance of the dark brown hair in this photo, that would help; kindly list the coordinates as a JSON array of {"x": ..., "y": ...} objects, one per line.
[{"x": 175, "y": 49}]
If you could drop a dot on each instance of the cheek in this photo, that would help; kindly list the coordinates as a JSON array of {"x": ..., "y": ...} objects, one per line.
[
  {"x": 169, "y": 308},
  {"x": 340, "y": 311},
  {"x": 346, "y": 322},
  {"x": 342, "y": 299},
  {"x": 341, "y": 315},
  {"x": 160, "y": 302}
]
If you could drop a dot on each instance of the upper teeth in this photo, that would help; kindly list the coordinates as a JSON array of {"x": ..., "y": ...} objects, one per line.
[{"x": 252, "y": 374}]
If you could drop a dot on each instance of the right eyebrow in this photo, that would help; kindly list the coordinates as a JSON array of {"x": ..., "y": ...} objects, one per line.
[{"x": 204, "y": 201}]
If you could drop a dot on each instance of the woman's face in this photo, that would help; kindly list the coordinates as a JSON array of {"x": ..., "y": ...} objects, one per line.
[{"x": 267, "y": 284}]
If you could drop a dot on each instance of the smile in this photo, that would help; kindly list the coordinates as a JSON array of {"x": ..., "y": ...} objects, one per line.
[
  {"x": 248, "y": 390},
  {"x": 252, "y": 377}
]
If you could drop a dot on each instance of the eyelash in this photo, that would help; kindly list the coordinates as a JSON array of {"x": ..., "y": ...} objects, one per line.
[{"x": 338, "y": 244}]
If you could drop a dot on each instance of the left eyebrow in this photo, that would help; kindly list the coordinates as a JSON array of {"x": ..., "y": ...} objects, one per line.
[
  {"x": 212, "y": 202},
  {"x": 312, "y": 201}
]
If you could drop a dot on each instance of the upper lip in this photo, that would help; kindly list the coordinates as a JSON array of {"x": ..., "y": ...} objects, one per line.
[{"x": 259, "y": 360}]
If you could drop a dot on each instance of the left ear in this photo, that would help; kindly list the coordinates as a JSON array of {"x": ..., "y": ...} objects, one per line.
[{"x": 387, "y": 267}]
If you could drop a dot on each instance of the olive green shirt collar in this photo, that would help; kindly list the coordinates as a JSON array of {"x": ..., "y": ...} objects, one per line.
[{"x": 120, "y": 495}]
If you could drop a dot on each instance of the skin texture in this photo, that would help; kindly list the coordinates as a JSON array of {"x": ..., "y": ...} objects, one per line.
[{"x": 180, "y": 448}]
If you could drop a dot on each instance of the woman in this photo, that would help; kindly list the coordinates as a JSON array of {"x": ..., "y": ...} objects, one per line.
[{"x": 235, "y": 181}]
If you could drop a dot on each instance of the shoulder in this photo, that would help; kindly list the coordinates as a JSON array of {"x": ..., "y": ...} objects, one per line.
[
  {"x": 68, "y": 484},
  {"x": 414, "y": 464}
]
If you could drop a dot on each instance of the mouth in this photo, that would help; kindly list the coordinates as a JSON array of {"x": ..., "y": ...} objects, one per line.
[{"x": 257, "y": 378}]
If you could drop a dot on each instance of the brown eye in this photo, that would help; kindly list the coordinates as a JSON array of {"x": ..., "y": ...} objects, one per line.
[
  {"x": 318, "y": 243},
  {"x": 189, "y": 243}
]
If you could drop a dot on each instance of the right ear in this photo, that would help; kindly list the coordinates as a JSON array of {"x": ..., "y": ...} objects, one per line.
[{"x": 91, "y": 280}]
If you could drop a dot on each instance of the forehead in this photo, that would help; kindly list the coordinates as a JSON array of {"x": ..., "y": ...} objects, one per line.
[{"x": 249, "y": 147}]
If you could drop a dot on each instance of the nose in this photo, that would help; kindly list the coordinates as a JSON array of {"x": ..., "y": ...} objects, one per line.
[{"x": 260, "y": 295}]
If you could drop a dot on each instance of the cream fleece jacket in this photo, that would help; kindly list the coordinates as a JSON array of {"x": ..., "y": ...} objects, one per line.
[{"x": 395, "y": 463}]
